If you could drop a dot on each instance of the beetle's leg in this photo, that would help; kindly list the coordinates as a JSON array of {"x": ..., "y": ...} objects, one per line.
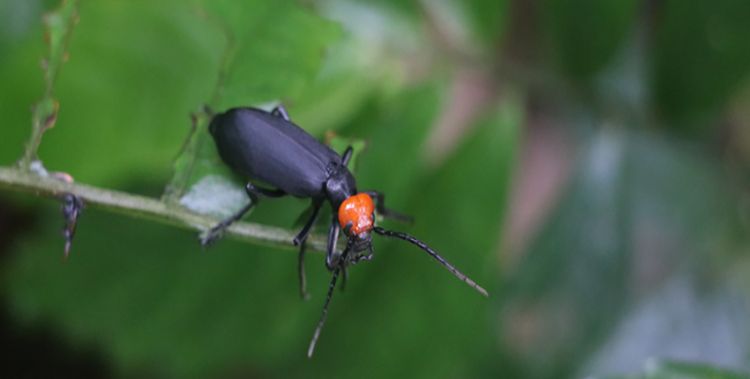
[
  {"x": 367, "y": 257},
  {"x": 253, "y": 193},
  {"x": 216, "y": 231},
  {"x": 347, "y": 156},
  {"x": 301, "y": 271},
  {"x": 302, "y": 235},
  {"x": 333, "y": 236},
  {"x": 301, "y": 240},
  {"x": 344, "y": 259},
  {"x": 379, "y": 198},
  {"x": 361, "y": 257},
  {"x": 280, "y": 111}
]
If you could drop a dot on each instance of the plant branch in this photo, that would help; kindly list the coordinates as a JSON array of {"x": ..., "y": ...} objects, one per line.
[{"x": 140, "y": 206}]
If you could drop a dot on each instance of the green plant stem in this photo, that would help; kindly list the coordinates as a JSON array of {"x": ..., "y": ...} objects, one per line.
[{"x": 144, "y": 207}]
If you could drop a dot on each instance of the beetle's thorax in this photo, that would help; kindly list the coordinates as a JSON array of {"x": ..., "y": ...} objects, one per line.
[{"x": 340, "y": 186}]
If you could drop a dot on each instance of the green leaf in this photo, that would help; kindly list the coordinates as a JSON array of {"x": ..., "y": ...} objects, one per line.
[
  {"x": 127, "y": 91},
  {"x": 158, "y": 303},
  {"x": 585, "y": 34},
  {"x": 700, "y": 60},
  {"x": 21, "y": 47},
  {"x": 488, "y": 19},
  {"x": 397, "y": 130},
  {"x": 267, "y": 62}
]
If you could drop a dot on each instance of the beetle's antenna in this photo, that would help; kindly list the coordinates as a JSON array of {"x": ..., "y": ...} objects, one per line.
[
  {"x": 433, "y": 253},
  {"x": 331, "y": 287}
]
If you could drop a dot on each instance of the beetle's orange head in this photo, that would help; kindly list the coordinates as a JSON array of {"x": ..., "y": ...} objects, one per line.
[{"x": 357, "y": 212}]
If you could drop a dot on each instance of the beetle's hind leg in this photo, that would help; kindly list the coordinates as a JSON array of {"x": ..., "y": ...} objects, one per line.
[{"x": 254, "y": 193}]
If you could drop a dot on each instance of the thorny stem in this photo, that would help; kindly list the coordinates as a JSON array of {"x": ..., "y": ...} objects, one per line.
[
  {"x": 59, "y": 28},
  {"x": 145, "y": 207}
]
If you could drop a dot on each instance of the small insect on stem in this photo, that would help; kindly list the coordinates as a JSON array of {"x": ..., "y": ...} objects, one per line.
[
  {"x": 72, "y": 207},
  {"x": 268, "y": 147}
]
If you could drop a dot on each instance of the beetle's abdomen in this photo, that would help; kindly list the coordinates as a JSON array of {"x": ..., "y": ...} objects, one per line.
[{"x": 265, "y": 147}]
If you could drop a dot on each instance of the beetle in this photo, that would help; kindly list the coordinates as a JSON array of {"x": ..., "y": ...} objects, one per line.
[{"x": 267, "y": 147}]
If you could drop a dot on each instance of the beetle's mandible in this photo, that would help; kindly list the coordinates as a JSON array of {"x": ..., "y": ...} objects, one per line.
[{"x": 267, "y": 147}]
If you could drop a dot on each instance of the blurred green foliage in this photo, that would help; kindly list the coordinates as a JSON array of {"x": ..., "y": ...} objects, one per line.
[
  {"x": 700, "y": 59},
  {"x": 587, "y": 33},
  {"x": 156, "y": 305}
]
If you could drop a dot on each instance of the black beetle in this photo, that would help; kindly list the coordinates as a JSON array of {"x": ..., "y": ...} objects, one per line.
[{"x": 267, "y": 147}]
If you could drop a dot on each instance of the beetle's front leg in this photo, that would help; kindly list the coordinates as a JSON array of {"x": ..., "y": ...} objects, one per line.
[
  {"x": 361, "y": 257},
  {"x": 332, "y": 257}
]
